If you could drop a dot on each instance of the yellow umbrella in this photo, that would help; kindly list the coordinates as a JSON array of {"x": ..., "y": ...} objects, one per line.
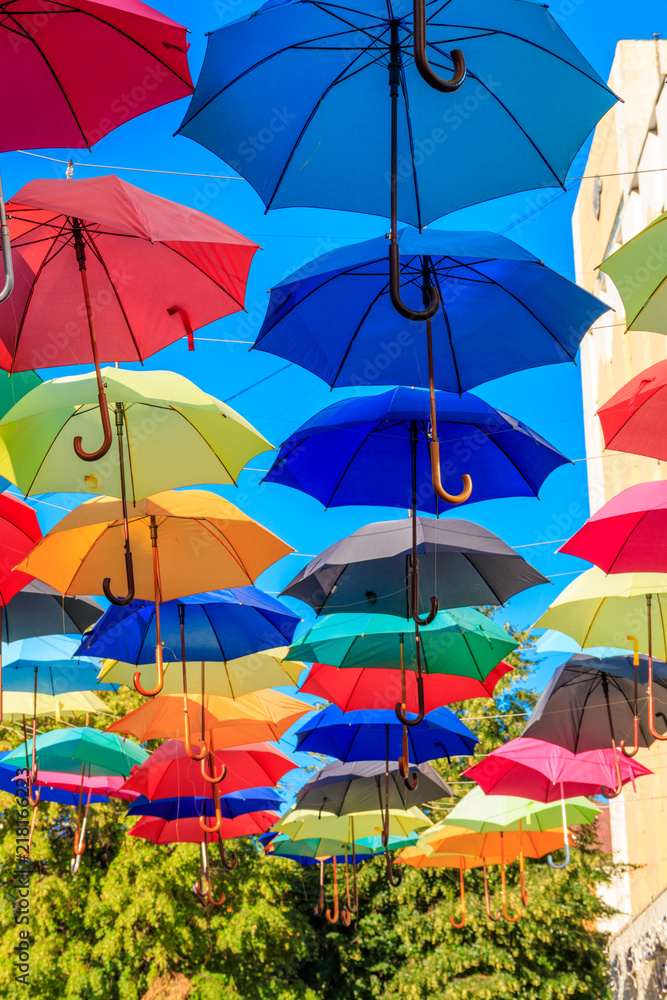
[
  {"x": 18, "y": 704},
  {"x": 229, "y": 678},
  {"x": 182, "y": 543},
  {"x": 313, "y": 824}
]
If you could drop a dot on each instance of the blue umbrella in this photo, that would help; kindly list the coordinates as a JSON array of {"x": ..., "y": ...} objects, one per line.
[
  {"x": 46, "y": 794},
  {"x": 501, "y": 310},
  {"x": 47, "y": 665},
  {"x": 219, "y": 625},
  {"x": 377, "y": 735},
  {"x": 296, "y": 98},
  {"x": 375, "y": 449},
  {"x": 184, "y": 807}
]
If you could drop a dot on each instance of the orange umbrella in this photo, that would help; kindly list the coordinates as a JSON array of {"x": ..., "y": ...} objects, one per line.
[{"x": 183, "y": 542}]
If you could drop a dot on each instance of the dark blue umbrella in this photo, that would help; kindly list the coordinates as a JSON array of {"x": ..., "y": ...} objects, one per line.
[
  {"x": 377, "y": 735},
  {"x": 501, "y": 310},
  {"x": 219, "y": 625},
  {"x": 296, "y": 98},
  {"x": 375, "y": 450},
  {"x": 184, "y": 807}
]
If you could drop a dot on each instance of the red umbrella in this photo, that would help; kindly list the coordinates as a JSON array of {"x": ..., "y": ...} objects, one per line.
[
  {"x": 545, "y": 772},
  {"x": 628, "y": 534},
  {"x": 179, "y": 831},
  {"x": 169, "y": 771},
  {"x": 360, "y": 688},
  {"x": 73, "y": 71},
  {"x": 632, "y": 420},
  {"x": 107, "y": 271}
]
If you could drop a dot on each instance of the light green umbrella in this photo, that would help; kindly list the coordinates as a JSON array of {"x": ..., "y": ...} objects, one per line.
[
  {"x": 66, "y": 750},
  {"x": 638, "y": 269},
  {"x": 175, "y": 435},
  {"x": 483, "y": 813}
]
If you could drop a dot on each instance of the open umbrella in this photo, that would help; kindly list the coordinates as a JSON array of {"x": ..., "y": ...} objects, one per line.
[
  {"x": 352, "y": 787},
  {"x": 632, "y": 418},
  {"x": 185, "y": 807},
  {"x": 187, "y": 830},
  {"x": 38, "y": 609},
  {"x": 181, "y": 542},
  {"x": 461, "y": 561},
  {"x": 80, "y": 242},
  {"x": 501, "y": 310},
  {"x": 641, "y": 287},
  {"x": 17, "y": 705},
  {"x": 368, "y": 687}
]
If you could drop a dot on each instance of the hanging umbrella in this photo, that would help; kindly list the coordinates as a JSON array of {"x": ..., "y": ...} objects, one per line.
[
  {"x": 45, "y": 665},
  {"x": 178, "y": 831},
  {"x": 461, "y": 642},
  {"x": 99, "y": 787},
  {"x": 381, "y": 689},
  {"x": 169, "y": 771},
  {"x": 352, "y": 787},
  {"x": 11, "y": 783},
  {"x": 186, "y": 807},
  {"x": 641, "y": 287},
  {"x": 592, "y": 703},
  {"x": 484, "y": 813},
  {"x": 17, "y": 705},
  {"x": 220, "y": 626},
  {"x": 38, "y": 609},
  {"x": 329, "y": 69},
  {"x": 632, "y": 418},
  {"x": 464, "y": 563},
  {"x": 117, "y": 47},
  {"x": 79, "y": 242},
  {"x": 306, "y": 824},
  {"x": 493, "y": 294},
  {"x": 203, "y": 541},
  {"x": 161, "y": 414},
  {"x": 547, "y": 772}
]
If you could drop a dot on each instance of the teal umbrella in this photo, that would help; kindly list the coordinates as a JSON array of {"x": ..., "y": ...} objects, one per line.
[{"x": 68, "y": 750}]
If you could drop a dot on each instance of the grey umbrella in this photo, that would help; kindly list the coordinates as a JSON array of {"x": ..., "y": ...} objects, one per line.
[
  {"x": 460, "y": 562},
  {"x": 591, "y": 703},
  {"x": 348, "y": 788},
  {"x": 40, "y": 610}
]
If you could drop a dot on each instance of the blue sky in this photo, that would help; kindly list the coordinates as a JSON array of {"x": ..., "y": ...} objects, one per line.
[{"x": 548, "y": 400}]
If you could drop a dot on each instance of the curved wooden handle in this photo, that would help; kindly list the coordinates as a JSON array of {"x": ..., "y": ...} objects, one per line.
[
  {"x": 416, "y": 315},
  {"x": 120, "y": 602},
  {"x": 421, "y": 59},
  {"x": 462, "y": 889},
  {"x": 213, "y": 779},
  {"x": 93, "y": 456},
  {"x": 149, "y": 693},
  {"x": 188, "y": 748}
]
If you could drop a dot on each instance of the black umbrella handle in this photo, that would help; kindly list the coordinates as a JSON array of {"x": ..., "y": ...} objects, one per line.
[
  {"x": 403, "y": 716},
  {"x": 421, "y": 59},
  {"x": 129, "y": 573},
  {"x": 432, "y": 293}
]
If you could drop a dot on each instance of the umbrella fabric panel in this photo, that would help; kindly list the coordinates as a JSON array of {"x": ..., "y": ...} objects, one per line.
[
  {"x": 367, "y": 443},
  {"x": 367, "y": 571},
  {"x": 189, "y": 831},
  {"x": 485, "y": 813},
  {"x": 39, "y": 609},
  {"x": 631, "y": 420},
  {"x": 644, "y": 296},
  {"x": 219, "y": 625},
  {"x": 512, "y": 291},
  {"x": 346, "y": 788},
  {"x": 16, "y": 705},
  {"x": 189, "y": 807},
  {"x": 311, "y": 166}
]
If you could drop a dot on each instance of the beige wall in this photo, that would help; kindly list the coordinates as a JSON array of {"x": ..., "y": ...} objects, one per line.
[{"x": 631, "y": 138}]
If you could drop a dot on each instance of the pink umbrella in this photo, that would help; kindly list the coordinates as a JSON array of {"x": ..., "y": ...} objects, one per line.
[
  {"x": 545, "y": 772},
  {"x": 97, "y": 785},
  {"x": 74, "y": 71},
  {"x": 628, "y": 534}
]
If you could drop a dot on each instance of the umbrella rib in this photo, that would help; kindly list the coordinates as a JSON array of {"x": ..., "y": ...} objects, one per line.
[
  {"x": 98, "y": 255},
  {"x": 215, "y": 632},
  {"x": 645, "y": 304},
  {"x": 466, "y": 556},
  {"x": 404, "y": 89},
  {"x": 627, "y": 539},
  {"x": 449, "y": 331},
  {"x": 207, "y": 443},
  {"x": 200, "y": 270},
  {"x": 363, "y": 319},
  {"x": 349, "y": 463}
]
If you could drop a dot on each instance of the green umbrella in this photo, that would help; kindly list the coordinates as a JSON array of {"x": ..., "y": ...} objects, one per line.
[
  {"x": 639, "y": 270},
  {"x": 67, "y": 750},
  {"x": 462, "y": 642},
  {"x": 483, "y": 813}
]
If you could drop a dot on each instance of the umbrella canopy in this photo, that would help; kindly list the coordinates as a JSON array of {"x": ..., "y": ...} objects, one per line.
[
  {"x": 38, "y": 609},
  {"x": 193, "y": 270},
  {"x": 47, "y": 793},
  {"x": 261, "y": 715},
  {"x": 502, "y": 310},
  {"x": 416, "y": 857},
  {"x": 464, "y": 563},
  {"x": 17, "y": 705},
  {"x": 495, "y": 843},
  {"x": 319, "y": 74},
  {"x": 378, "y": 736},
  {"x": 46, "y": 664},
  {"x": 229, "y": 679},
  {"x": 546, "y": 772},
  {"x": 600, "y": 610},
  {"x": 186, "y": 807},
  {"x": 219, "y": 626},
  {"x": 163, "y": 414},
  {"x": 107, "y": 785},
  {"x": 369, "y": 452},
  {"x": 114, "y": 45},
  {"x": 19, "y": 532},
  {"x": 353, "y": 689},
  {"x": 589, "y": 704},
  {"x": 169, "y": 771},
  {"x": 66, "y": 750},
  {"x": 308, "y": 852},
  {"x": 351, "y": 788},
  {"x": 203, "y": 541},
  {"x": 462, "y": 642},
  {"x": 179, "y": 831},
  {"x": 628, "y": 534},
  {"x": 644, "y": 296},
  {"x": 306, "y": 824},
  {"x": 632, "y": 417},
  {"x": 483, "y": 813}
]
